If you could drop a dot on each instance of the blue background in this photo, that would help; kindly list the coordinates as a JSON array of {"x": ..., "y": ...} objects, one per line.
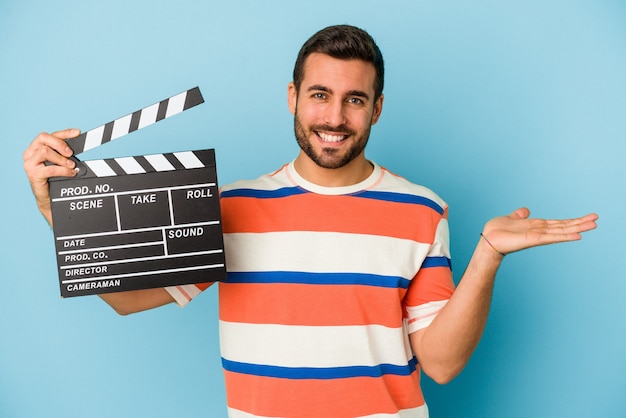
[{"x": 492, "y": 104}]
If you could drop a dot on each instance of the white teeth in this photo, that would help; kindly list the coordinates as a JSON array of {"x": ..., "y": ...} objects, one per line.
[{"x": 331, "y": 138}]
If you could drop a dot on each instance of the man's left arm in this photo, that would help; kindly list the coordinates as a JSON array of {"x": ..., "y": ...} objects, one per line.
[{"x": 445, "y": 346}]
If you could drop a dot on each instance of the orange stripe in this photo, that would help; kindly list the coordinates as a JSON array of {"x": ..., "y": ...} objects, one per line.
[
  {"x": 309, "y": 212},
  {"x": 304, "y": 304},
  {"x": 203, "y": 286},
  {"x": 347, "y": 397},
  {"x": 433, "y": 283}
]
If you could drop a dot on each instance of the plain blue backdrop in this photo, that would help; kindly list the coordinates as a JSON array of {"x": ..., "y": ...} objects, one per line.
[{"x": 493, "y": 104}]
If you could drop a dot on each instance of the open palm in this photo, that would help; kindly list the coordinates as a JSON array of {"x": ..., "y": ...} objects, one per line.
[{"x": 517, "y": 231}]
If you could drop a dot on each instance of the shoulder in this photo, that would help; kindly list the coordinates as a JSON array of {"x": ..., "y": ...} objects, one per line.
[
  {"x": 271, "y": 181},
  {"x": 394, "y": 183}
]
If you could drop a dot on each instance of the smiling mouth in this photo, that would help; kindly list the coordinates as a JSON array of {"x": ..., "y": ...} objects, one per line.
[{"x": 334, "y": 138}]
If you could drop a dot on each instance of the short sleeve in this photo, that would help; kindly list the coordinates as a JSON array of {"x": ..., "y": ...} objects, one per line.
[
  {"x": 433, "y": 284},
  {"x": 183, "y": 294}
]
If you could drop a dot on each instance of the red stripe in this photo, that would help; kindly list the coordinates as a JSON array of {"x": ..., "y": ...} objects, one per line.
[
  {"x": 308, "y": 212},
  {"x": 203, "y": 286},
  {"x": 304, "y": 304},
  {"x": 430, "y": 284},
  {"x": 348, "y": 397}
]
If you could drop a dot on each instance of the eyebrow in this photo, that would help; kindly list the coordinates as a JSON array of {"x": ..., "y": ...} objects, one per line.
[{"x": 357, "y": 93}]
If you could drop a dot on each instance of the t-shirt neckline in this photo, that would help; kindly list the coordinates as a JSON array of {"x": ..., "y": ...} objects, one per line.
[{"x": 369, "y": 182}]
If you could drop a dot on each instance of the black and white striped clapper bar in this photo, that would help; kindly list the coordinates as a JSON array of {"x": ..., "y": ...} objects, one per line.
[{"x": 138, "y": 222}]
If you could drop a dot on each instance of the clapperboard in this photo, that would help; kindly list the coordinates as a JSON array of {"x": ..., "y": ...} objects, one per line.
[{"x": 138, "y": 222}]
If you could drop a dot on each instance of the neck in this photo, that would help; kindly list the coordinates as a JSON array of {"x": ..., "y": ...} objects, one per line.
[{"x": 354, "y": 172}]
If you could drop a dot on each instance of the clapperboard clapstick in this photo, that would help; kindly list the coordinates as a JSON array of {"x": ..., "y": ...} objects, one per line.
[
  {"x": 138, "y": 222},
  {"x": 136, "y": 120}
]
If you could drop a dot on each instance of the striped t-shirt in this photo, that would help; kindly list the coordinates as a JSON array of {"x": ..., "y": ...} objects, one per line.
[{"x": 324, "y": 286}]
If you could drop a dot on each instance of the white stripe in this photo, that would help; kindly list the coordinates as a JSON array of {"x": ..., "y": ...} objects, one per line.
[
  {"x": 188, "y": 159},
  {"x": 130, "y": 165},
  {"x": 183, "y": 294},
  {"x": 394, "y": 183},
  {"x": 441, "y": 244},
  {"x": 341, "y": 252},
  {"x": 94, "y": 138},
  {"x": 100, "y": 168},
  {"x": 419, "y": 412},
  {"x": 121, "y": 127},
  {"x": 236, "y": 413},
  {"x": 179, "y": 297},
  {"x": 423, "y": 314},
  {"x": 176, "y": 104},
  {"x": 314, "y": 346},
  {"x": 159, "y": 162},
  {"x": 266, "y": 182},
  {"x": 148, "y": 115},
  {"x": 389, "y": 182}
]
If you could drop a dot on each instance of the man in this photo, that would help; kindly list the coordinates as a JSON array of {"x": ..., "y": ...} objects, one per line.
[{"x": 339, "y": 287}]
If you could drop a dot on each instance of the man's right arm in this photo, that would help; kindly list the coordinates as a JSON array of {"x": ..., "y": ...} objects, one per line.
[
  {"x": 53, "y": 149},
  {"x": 133, "y": 301}
]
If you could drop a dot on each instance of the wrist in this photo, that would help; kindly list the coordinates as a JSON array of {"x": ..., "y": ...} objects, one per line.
[
  {"x": 486, "y": 255},
  {"x": 486, "y": 240}
]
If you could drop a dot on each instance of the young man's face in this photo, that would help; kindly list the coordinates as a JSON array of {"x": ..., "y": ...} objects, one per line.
[{"x": 334, "y": 109}]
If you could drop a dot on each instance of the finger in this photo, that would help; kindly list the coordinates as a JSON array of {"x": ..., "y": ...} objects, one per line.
[
  {"x": 521, "y": 213},
  {"x": 589, "y": 217},
  {"x": 38, "y": 154},
  {"x": 49, "y": 171},
  {"x": 581, "y": 226},
  {"x": 55, "y": 141},
  {"x": 40, "y": 173},
  {"x": 546, "y": 239},
  {"x": 565, "y": 231},
  {"x": 67, "y": 133},
  {"x": 43, "y": 141},
  {"x": 583, "y": 223}
]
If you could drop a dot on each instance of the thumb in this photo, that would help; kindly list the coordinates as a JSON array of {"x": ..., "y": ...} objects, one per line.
[{"x": 521, "y": 213}]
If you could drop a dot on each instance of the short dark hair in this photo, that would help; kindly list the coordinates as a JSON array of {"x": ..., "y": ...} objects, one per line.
[{"x": 343, "y": 42}]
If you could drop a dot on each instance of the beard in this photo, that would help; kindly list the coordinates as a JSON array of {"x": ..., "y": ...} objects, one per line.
[{"x": 329, "y": 157}]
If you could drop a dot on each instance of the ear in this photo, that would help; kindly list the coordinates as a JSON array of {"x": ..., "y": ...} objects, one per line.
[
  {"x": 378, "y": 109},
  {"x": 292, "y": 97}
]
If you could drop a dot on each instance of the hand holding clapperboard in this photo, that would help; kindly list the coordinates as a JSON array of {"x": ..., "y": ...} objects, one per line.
[{"x": 138, "y": 222}]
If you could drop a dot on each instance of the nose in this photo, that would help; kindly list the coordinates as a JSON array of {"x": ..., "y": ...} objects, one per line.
[{"x": 334, "y": 114}]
